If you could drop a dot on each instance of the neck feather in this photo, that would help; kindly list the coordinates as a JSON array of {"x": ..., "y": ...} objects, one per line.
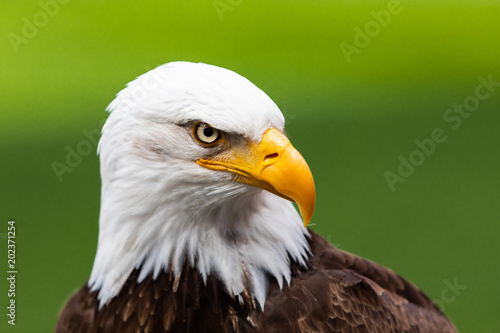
[{"x": 244, "y": 236}]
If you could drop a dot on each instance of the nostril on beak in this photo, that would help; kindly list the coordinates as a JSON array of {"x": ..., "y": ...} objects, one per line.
[{"x": 269, "y": 158}]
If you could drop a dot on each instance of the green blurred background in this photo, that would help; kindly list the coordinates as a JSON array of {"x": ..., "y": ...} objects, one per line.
[{"x": 351, "y": 121}]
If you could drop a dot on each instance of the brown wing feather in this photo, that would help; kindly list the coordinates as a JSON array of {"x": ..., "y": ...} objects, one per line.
[
  {"x": 343, "y": 293},
  {"x": 328, "y": 257},
  {"x": 338, "y": 292}
]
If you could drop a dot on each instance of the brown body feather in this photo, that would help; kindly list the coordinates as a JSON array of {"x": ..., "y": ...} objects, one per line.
[{"x": 338, "y": 292}]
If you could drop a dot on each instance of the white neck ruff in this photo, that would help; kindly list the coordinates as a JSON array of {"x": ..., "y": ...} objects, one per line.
[{"x": 248, "y": 237}]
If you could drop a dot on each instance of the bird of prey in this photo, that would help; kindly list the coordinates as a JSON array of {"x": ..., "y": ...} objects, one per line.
[{"x": 197, "y": 230}]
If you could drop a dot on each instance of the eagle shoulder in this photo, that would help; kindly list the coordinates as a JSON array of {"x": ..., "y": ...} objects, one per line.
[{"x": 340, "y": 292}]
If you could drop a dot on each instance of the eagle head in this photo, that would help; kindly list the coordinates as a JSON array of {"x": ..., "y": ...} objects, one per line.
[{"x": 196, "y": 170}]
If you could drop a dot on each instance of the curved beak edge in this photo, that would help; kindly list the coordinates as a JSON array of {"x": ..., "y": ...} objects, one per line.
[{"x": 293, "y": 180}]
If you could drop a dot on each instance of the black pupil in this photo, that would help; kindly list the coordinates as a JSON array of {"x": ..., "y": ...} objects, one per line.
[{"x": 208, "y": 132}]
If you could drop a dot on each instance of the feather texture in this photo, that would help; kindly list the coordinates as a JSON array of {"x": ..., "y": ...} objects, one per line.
[{"x": 337, "y": 292}]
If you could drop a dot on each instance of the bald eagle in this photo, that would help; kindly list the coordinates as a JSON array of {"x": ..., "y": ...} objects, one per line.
[{"x": 197, "y": 231}]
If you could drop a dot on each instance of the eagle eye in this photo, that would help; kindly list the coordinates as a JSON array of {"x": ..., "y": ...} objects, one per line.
[{"x": 206, "y": 134}]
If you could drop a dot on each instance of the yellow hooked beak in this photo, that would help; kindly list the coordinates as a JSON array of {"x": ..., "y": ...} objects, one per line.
[{"x": 274, "y": 165}]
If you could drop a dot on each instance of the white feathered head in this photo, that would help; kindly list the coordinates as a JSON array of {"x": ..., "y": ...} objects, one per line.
[{"x": 196, "y": 170}]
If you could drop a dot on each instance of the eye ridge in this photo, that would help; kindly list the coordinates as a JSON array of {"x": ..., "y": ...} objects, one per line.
[{"x": 206, "y": 134}]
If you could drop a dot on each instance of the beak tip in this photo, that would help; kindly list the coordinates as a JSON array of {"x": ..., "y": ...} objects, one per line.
[
  {"x": 307, "y": 214},
  {"x": 306, "y": 207}
]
